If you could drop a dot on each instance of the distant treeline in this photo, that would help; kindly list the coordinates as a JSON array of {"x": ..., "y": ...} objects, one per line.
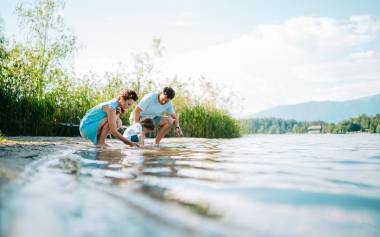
[{"x": 362, "y": 123}]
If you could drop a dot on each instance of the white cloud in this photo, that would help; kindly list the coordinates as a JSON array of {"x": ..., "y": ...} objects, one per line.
[
  {"x": 179, "y": 23},
  {"x": 103, "y": 64},
  {"x": 291, "y": 62},
  {"x": 366, "y": 55}
]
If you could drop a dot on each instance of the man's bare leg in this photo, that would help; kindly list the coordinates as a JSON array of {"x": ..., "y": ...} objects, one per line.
[{"x": 166, "y": 124}]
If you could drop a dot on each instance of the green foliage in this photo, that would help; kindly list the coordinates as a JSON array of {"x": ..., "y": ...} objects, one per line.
[
  {"x": 49, "y": 42},
  {"x": 377, "y": 128},
  {"x": 362, "y": 123},
  {"x": 34, "y": 86},
  {"x": 274, "y": 126},
  {"x": 201, "y": 121},
  {"x": 2, "y": 138}
]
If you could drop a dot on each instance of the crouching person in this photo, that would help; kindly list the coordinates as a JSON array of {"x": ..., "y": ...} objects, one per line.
[
  {"x": 138, "y": 131},
  {"x": 104, "y": 119}
]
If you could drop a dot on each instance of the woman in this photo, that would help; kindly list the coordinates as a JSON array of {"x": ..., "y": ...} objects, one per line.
[{"x": 104, "y": 119}]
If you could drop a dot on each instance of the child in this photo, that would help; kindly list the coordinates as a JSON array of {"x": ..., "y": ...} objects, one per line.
[
  {"x": 104, "y": 119},
  {"x": 137, "y": 131}
]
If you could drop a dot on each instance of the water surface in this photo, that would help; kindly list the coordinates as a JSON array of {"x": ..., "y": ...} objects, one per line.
[{"x": 264, "y": 185}]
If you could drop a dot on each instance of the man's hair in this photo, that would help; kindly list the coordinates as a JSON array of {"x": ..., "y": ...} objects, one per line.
[
  {"x": 147, "y": 123},
  {"x": 128, "y": 94},
  {"x": 169, "y": 92}
]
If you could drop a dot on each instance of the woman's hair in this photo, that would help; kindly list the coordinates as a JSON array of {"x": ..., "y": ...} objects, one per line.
[
  {"x": 128, "y": 94},
  {"x": 147, "y": 123}
]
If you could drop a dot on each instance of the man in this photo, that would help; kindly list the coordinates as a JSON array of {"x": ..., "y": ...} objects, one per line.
[{"x": 152, "y": 106}]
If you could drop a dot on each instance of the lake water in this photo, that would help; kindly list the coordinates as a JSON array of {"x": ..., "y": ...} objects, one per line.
[{"x": 264, "y": 185}]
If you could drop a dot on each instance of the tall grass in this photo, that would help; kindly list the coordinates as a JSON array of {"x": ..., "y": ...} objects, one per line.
[
  {"x": 2, "y": 138},
  {"x": 26, "y": 115},
  {"x": 201, "y": 121}
]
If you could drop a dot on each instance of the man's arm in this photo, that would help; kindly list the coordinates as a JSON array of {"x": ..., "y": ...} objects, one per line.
[
  {"x": 178, "y": 130},
  {"x": 176, "y": 120}
]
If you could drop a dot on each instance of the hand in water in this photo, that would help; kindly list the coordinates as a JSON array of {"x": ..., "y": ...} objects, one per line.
[
  {"x": 102, "y": 145},
  {"x": 136, "y": 144},
  {"x": 178, "y": 132}
]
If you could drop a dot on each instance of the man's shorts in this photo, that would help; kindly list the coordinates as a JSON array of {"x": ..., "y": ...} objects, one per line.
[{"x": 157, "y": 120}]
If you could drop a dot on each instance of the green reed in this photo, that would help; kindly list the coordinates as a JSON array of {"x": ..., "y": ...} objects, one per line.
[
  {"x": 203, "y": 121},
  {"x": 28, "y": 115},
  {"x": 2, "y": 138}
]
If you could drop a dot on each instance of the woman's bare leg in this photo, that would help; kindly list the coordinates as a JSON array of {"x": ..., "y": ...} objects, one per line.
[{"x": 104, "y": 130}]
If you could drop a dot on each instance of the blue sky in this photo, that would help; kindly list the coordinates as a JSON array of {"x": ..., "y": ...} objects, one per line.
[{"x": 271, "y": 52}]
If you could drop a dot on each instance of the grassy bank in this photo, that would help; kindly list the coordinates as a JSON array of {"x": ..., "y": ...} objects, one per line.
[{"x": 33, "y": 116}]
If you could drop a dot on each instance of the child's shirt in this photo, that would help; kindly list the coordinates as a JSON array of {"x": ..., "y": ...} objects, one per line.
[{"x": 133, "y": 132}]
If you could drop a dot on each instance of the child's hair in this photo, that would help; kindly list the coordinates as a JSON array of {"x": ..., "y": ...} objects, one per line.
[
  {"x": 128, "y": 94},
  {"x": 147, "y": 123}
]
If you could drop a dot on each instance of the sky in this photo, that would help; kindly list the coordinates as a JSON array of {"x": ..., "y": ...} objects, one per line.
[{"x": 269, "y": 52}]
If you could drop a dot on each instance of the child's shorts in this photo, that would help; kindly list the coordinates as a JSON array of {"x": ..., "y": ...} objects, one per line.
[{"x": 134, "y": 138}]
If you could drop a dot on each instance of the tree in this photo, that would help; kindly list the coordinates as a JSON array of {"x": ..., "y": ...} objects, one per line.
[
  {"x": 354, "y": 127},
  {"x": 143, "y": 68},
  {"x": 364, "y": 121},
  {"x": 49, "y": 42},
  {"x": 378, "y": 128}
]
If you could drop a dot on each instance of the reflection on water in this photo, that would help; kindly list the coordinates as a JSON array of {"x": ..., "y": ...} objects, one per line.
[{"x": 285, "y": 185}]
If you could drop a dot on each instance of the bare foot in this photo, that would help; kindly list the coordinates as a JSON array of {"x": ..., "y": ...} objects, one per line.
[{"x": 103, "y": 145}]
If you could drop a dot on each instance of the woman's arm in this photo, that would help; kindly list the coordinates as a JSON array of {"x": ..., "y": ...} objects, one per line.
[
  {"x": 136, "y": 114},
  {"x": 112, "y": 117}
]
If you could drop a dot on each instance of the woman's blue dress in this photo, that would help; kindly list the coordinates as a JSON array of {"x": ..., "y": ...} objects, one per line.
[{"x": 89, "y": 125}]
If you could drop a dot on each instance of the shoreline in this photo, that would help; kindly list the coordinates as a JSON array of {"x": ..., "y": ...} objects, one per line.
[
  {"x": 18, "y": 152},
  {"x": 347, "y": 133}
]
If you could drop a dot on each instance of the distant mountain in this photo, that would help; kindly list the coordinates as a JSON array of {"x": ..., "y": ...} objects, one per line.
[{"x": 328, "y": 111}]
